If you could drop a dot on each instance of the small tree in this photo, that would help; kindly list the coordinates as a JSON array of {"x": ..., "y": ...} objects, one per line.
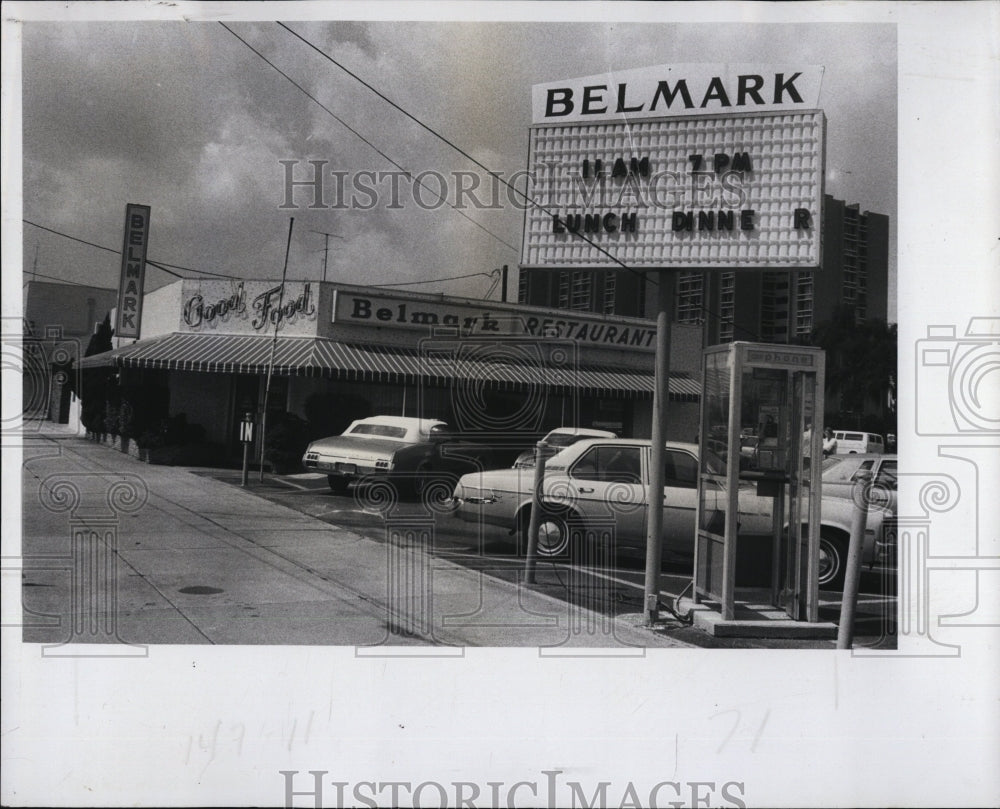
[
  {"x": 96, "y": 382},
  {"x": 860, "y": 363}
]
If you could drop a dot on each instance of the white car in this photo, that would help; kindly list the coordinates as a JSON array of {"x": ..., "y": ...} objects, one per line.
[
  {"x": 558, "y": 439},
  {"x": 600, "y": 483},
  {"x": 410, "y": 450}
]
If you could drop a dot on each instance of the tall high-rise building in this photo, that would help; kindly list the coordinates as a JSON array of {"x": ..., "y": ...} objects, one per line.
[
  {"x": 770, "y": 306},
  {"x": 785, "y": 307}
]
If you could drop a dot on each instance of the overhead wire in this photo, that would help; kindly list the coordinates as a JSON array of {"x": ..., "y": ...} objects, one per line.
[
  {"x": 416, "y": 179},
  {"x": 160, "y": 265},
  {"x": 163, "y": 265},
  {"x": 495, "y": 175}
]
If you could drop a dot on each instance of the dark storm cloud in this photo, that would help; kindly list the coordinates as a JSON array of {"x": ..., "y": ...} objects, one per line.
[{"x": 185, "y": 118}]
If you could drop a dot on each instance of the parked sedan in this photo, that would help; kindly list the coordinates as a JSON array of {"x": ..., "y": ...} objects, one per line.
[
  {"x": 560, "y": 438},
  {"x": 600, "y": 483},
  {"x": 841, "y": 478},
  {"x": 409, "y": 450}
]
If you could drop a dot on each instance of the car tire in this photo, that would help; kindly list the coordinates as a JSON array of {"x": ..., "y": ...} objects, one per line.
[
  {"x": 558, "y": 537},
  {"x": 338, "y": 483},
  {"x": 832, "y": 561}
]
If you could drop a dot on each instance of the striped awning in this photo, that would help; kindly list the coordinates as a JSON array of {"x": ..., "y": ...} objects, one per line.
[{"x": 310, "y": 356}]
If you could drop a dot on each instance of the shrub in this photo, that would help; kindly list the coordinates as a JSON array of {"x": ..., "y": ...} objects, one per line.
[{"x": 285, "y": 441}]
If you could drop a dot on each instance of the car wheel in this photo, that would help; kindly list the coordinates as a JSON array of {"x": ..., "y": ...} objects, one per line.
[
  {"x": 557, "y": 535},
  {"x": 832, "y": 562},
  {"x": 338, "y": 483}
]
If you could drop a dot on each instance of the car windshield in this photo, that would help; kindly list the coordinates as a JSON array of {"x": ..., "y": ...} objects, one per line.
[
  {"x": 839, "y": 469},
  {"x": 561, "y": 439},
  {"x": 714, "y": 465},
  {"x": 380, "y": 430}
]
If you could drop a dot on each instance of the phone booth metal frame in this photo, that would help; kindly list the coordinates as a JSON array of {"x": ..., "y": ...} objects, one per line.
[{"x": 770, "y": 397}]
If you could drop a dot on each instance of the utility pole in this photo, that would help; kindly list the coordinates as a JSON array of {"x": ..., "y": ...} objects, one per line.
[
  {"x": 657, "y": 455},
  {"x": 326, "y": 247},
  {"x": 274, "y": 346}
]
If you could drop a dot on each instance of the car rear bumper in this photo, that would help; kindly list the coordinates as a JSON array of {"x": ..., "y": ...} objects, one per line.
[{"x": 347, "y": 468}]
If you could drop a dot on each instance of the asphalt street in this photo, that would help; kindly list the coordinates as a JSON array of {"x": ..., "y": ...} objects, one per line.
[{"x": 118, "y": 551}]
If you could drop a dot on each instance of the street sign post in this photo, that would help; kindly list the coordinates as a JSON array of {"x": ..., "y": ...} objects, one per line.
[{"x": 246, "y": 437}]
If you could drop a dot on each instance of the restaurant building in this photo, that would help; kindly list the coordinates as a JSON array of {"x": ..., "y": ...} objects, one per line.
[{"x": 338, "y": 352}]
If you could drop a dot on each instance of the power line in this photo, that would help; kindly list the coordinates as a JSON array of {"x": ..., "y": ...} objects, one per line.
[
  {"x": 365, "y": 140},
  {"x": 649, "y": 279},
  {"x": 435, "y": 280},
  {"x": 452, "y": 144},
  {"x": 163, "y": 265},
  {"x": 160, "y": 265},
  {"x": 63, "y": 281}
]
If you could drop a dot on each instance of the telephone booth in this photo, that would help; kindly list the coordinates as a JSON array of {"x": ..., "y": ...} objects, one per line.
[{"x": 760, "y": 460}]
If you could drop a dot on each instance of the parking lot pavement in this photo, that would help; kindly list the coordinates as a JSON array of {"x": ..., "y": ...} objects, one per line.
[
  {"x": 171, "y": 556},
  {"x": 610, "y": 592}
]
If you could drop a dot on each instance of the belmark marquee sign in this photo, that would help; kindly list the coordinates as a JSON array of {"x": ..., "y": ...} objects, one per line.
[{"x": 677, "y": 166}]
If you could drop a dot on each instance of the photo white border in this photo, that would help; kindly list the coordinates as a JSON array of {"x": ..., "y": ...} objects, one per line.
[{"x": 213, "y": 726}]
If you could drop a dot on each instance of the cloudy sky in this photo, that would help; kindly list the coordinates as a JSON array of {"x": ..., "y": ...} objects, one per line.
[{"x": 184, "y": 117}]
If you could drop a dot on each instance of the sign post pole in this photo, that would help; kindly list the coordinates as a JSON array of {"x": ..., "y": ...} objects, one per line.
[
  {"x": 535, "y": 519},
  {"x": 246, "y": 436},
  {"x": 661, "y": 395}
]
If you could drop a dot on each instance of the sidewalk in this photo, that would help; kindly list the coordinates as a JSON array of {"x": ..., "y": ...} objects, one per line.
[{"x": 201, "y": 561}]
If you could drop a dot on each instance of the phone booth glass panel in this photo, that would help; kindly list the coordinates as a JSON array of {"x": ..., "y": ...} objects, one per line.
[{"x": 760, "y": 450}]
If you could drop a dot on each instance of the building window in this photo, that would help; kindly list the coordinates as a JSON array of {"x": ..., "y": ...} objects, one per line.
[
  {"x": 804, "y": 305},
  {"x": 690, "y": 298},
  {"x": 774, "y": 307},
  {"x": 610, "y": 290},
  {"x": 562, "y": 295},
  {"x": 581, "y": 291},
  {"x": 727, "y": 306}
]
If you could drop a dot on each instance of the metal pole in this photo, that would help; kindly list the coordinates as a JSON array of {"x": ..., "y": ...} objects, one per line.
[
  {"x": 274, "y": 345},
  {"x": 326, "y": 246},
  {"x": 531, "y": 554},
  {"x": 503, "y": 291},
  {"x": 852, "y": 575},
  {"x": 246, "y": 462},
  {"x": 661, "y": 393}
]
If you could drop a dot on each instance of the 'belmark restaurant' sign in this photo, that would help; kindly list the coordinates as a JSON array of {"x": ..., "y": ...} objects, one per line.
[
  {"x": 391, "y": 312},
  {"x": 687, "y": 166}
]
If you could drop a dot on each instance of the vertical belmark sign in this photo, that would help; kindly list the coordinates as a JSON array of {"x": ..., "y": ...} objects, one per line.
[{"x": 133, "y": 271}]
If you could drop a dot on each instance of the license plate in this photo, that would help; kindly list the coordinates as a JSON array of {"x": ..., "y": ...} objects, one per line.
[{"x": 350, "y": 468}]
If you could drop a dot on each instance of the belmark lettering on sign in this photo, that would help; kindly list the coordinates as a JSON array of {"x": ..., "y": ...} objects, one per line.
[
  {"x": 677, "y": 90},
  {"x": 130, "y": 285}
]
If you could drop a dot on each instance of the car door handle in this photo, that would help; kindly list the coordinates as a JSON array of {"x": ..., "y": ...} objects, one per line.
[{"x": 585, "y": 490}]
